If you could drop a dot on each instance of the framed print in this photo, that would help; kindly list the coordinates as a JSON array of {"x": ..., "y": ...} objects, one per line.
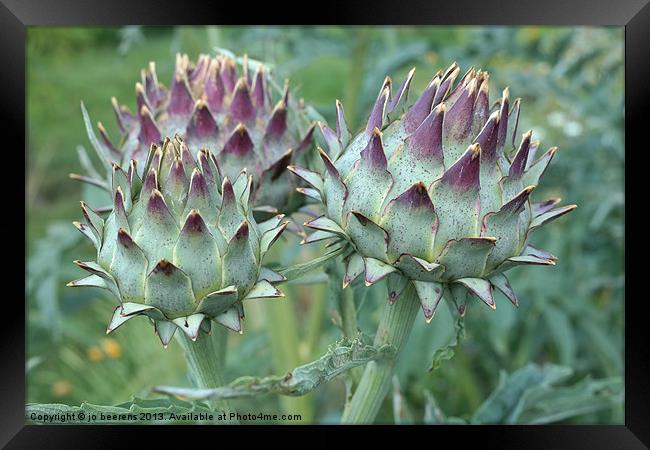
[{"x": 413, "y": 219}]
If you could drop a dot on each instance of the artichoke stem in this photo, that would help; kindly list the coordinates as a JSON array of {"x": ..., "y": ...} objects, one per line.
[
  {"x": 205, "y": 360},
  {"x": 394, "y": 329}
]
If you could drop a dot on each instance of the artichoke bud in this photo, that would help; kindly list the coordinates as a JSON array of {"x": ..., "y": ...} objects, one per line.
[
  {"x": 218, "y": 104},
  {"x": 182, "y": 250},
  {"x": 434, "y": 193}
]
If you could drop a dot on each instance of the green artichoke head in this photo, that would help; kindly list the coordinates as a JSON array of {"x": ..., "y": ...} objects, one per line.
[
  {"x": 434, "y": 193},
  {"x": 218, "y": 104},
  {"x": 180, "y": 246}
]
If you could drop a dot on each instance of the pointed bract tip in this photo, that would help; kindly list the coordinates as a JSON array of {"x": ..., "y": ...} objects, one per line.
[
  {"x": 241, "y": 84},
  {"x": 484, "y": 86},
  {"x": 124, "y": 238},
  {"x": 475, "y": 149},
  {"x": 471, "y": 86},
  {"x": 164, "y": 266},
  {"x": 242, "y": 231},
  {"x": 144, "y": 111}
]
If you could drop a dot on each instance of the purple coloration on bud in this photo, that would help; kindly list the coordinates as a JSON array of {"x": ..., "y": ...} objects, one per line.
[
  {"x": 164, "y": 267},
  {"x": 487, "y": 139},
  {"x": 258, "y": 88},
  {"x": 376, "y": 119},
  {"x": 203, "y": 106},
  {"x": 464, "y": 174},
  {"x": 105, "y": 139},
  {"x": 124, "y": 239},
  {"x": 329, "y": 165},
  {"x": 361, "y": 218},
  {"x": 331, "y": 138},
  {"x": 149, "y": 133},
  {"x": 180, "y": 101},
  {"x": 543, "y": 207},
  {"x": 242, "y": 108},
  {"x": 198, "y": 185},
  {"x": 402, "y": 92},
  {"x": 514, "y": 206},
  {"x": 374, "y": 151},
  {"x": 503, "y": 119},
  {"x": 156, "y": 204},
  {"x": 239, "y": 143},
  {"x": 242, "y": 232},
  {"x": 427, "y": 139},
  {"x": 118, "y": 204},
  {"x": 227, "y": 191},
  {"x": 306, "y": 141},
  {"x": 150, "y": 183},
  {"x": 194, "y": 223},
  {"x": 458, "y": 120},
  {"x": 521, "y": 157},
  {"x": 214, "y": 88},
  {"x": 156, "y": 157},
  {"x": 280, "y": 166},
  {"x": 482, "y": 106},
  {"x": 447, "y": 80},
  {"x": 186, "y": 157},
  {"x": 278, "y": 122},
  {"x": 202, "y": 123},
  {"x": 228, "y": 73},
  {"x": 422, "y": 107},
  {"x": 118, "y": 114},
  {"x": 416, "y": 197},
  {"x": 141, "y": 97},
  {"x": 177, "y": 173},
  {"x": 199, "y": 70},
  {"x": 132, "y": 173},
  {"x": 205, "y": 161},
  {"x": 150, "y": 80}
]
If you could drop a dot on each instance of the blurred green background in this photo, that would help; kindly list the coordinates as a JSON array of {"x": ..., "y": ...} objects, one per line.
[{"x": 571, "y": 84}]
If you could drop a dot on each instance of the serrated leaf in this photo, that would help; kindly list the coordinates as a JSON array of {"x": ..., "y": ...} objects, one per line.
[{"x": 342, "y": 356}]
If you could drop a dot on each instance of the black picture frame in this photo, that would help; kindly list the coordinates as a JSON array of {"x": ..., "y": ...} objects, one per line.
[{"x": 16, "y": 15}]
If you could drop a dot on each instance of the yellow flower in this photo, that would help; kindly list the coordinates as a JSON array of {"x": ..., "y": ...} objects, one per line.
[
  {"x": 94, "y": 354},
  {"x": 61, "y": 388},
  {"x": 112, "y": 348}
]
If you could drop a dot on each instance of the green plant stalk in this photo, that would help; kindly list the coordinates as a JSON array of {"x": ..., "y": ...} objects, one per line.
[
  {"x": 204, "y": 360},
  {"x": 394, "y": 329},
  {"x": 349, "y": 314},
  {"x": 350, "y": 327},
  {"x": 283, "y": 334},
  {"x": 346, "y": 306},
  {"x": 314, "y": 321}
]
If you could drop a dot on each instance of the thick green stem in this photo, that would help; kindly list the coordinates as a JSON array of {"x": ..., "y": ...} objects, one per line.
[
  {"x": 283, "y": 335},
  {"x": 205, "y": 361},
  {"x": 349, "y": 314},
  {"x": 394, "y": 329}
]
